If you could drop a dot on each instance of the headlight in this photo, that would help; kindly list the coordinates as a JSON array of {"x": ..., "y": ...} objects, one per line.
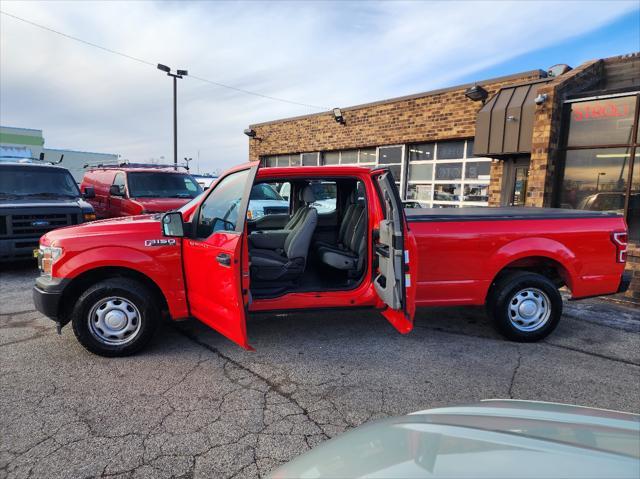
[
  {"x": 89, "y": 216},
  {"x": 254, "y": 214},
  {"x": 48, "y": 255}
]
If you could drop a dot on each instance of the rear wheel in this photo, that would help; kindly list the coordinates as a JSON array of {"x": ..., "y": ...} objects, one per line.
[
  {"x": 115, "y": 317},
  {"x": 525, "y": 306}
]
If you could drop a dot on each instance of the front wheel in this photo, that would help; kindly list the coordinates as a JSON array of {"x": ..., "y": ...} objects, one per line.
[
  {"x": 115, "y": 317},
  {"x": 525, "y": 306}
]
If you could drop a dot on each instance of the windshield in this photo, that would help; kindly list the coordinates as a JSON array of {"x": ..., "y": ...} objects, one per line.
[
  {"x": 162, "y": 185},
  {"x": 35, "y": 181},
  {"x": 263, "y": 191}
]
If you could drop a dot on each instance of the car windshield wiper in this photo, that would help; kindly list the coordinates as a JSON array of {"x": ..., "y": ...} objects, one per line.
[{"x": 182, "y": 195}]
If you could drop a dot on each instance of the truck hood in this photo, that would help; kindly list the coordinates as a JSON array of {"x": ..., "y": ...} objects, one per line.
[
  {"x": 259, "y": 205},
  {"x": 126, "y": 231},
  {"x": 160, "y": 205},
  {"x": 45, "y": 203}
]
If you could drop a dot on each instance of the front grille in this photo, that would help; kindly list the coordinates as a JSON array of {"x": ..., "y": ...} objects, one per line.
[
  {"x": 39, "y": 224},
  {"x": 276, "y": 210}
]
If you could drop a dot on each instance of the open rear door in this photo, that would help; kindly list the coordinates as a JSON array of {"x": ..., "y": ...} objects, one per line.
[
  {"x": 215, "y": 257},
  {"x": 396, "y": 250}
]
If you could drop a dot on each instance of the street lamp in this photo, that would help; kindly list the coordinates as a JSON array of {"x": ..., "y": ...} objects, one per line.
[
  {"x": 175, "y": 76},
  {"x": 602, "y": 173}
]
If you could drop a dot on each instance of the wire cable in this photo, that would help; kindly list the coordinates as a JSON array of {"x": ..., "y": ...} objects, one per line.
[{"x": 154, "y": 65}]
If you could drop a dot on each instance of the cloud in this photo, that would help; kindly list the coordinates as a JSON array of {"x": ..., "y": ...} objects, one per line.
[{"x": 318, "y": 53}]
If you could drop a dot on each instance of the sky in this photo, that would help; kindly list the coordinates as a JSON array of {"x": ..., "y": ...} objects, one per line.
[{"x": 319, "y": 54}]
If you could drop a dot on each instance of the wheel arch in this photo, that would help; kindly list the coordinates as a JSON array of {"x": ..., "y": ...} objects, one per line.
[
  {"x": 84, "y": 280},
  {"x": 543, "y": 256}
]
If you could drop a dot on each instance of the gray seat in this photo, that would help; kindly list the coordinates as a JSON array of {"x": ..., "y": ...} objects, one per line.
[
  {"x": 289, "y": 262},
  {"x": 349, "y": 256},
  {"x": 346, "y": 226}
]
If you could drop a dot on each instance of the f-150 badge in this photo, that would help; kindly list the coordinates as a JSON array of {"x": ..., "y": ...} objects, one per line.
[{"x": 160, "y": 242}]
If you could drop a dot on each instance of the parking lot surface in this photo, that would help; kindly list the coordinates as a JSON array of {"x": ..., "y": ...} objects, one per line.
[{"x": 195, "y": 405}]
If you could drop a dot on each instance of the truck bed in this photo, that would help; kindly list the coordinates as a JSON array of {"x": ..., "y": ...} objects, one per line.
[
  {"x": 504, "y": 213},
  {"x": 461, "y": 251}
]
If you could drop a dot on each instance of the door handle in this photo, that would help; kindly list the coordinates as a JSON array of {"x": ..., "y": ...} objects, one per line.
[{"x": 224, "y": 259}]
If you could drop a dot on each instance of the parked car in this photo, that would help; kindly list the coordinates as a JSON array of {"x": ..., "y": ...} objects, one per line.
[
  {"x": 491, "y": 439},
  {"x": 324, "y": 192},
  {"x": 129, "y": 189},
  {"x": 205, "y": 181},
  {"x": 265, "y": 200},
  {"x": 35, "y": 198},
  {"x": 112, "y": 279}
]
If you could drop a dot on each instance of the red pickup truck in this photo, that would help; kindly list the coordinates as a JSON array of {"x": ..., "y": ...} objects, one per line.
[{"x": 355, "y": 247}]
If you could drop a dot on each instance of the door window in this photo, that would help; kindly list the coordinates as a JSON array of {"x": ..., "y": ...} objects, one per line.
[
  {"x": 265, "y": 200},
  {"x": 325, "y": 193},
  {"x": 220, "y": 211},
  {"x": 520, "y": 186},
  {"x": 119, "y": 182}
]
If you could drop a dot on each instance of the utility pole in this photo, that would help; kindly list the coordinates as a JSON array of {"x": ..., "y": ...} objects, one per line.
[{"x": 175, "y": 76}]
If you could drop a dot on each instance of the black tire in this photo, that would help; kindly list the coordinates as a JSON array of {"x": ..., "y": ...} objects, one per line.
[
  {"x": 510, "y": 291},
  {"x": 139, "y": 297}
]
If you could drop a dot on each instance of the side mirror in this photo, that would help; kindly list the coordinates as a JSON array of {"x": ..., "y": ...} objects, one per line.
[
  {"x": 114, "y": 190},
  {"x": 172, "y": 224},
  {"x": 89, "y": 192}
]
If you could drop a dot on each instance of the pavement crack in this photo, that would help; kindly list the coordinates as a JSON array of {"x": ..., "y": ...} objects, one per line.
[
  {"x": 276, "y": 387},
  {"x": 590, "y": 353},
  {"x": 515, "y": 372}
]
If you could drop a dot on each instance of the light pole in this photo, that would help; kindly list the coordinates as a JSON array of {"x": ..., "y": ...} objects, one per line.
[
  {"x": 175, "y": 76},
  {"x": 602, "y": 173}
]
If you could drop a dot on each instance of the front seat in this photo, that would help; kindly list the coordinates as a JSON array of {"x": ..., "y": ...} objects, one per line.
[{"x": 289, "y": 262}]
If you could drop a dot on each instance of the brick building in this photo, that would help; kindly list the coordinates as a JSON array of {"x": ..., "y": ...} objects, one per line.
[{"x": 564, "y": 138}]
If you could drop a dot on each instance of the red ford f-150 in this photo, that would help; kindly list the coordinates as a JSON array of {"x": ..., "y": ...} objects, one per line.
[{"x": 354, "y": 247}]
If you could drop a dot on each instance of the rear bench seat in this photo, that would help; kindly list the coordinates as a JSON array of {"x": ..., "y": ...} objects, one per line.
[{"x": 348, "y": 255}]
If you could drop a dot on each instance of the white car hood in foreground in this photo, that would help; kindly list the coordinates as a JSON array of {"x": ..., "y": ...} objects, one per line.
[{"x": 493, "y": 439}]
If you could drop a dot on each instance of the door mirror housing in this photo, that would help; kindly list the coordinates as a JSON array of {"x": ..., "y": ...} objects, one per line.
[
  {"x": 173, "y": 225},
  {"x": 114, "y": 190},
  {"x": 89, "y": 192}
]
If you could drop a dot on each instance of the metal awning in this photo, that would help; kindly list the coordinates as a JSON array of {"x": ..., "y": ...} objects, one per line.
[{"x": 504, "y": 125}]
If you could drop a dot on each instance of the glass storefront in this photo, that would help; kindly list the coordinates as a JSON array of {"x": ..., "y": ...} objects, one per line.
[
  {"x": 600, "y": 173},
  {"x": 436, "y": 174},
  {"x": 445, "y": 174}
]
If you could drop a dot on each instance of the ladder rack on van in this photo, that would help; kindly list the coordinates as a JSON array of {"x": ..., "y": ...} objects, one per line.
[{"x": 124, "y": 164}]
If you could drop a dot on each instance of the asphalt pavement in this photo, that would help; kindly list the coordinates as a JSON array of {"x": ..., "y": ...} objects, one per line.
[{"x": 195, "y": 405}]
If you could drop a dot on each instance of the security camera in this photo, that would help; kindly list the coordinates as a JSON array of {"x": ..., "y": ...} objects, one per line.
[
  {"x": 250, "y": 132},
  {"x": 540, "y": 99}
]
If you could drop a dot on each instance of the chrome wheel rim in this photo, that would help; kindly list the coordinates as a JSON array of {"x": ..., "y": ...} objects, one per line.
[
  {"x": 114, "y": 321},
  {"x": 529, "y": 309}
]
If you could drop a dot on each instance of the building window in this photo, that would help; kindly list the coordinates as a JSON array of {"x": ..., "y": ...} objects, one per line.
[
  {"x": 349, "y": 157},
  {"x": 445, "y": 174},
  {"x": 367, "y": 156},
  {"x": 310, "y": 159},
  {"x": 602, "y": 122},
  {"x": 451, "y": 150},
  {"x": 331, "y": 158},
  {"x": 600, "y": 173},
  {"x": 392, "y": 157},
  {"x": 346, "y": 157}
]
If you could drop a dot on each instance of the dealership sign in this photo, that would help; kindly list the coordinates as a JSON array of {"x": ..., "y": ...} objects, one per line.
[{"x": 600, "y": 110}]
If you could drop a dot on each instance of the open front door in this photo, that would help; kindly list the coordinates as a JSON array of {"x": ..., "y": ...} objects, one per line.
[
  {"x": 396, "y": 250},
  {"x": 213, "y": 257}
]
